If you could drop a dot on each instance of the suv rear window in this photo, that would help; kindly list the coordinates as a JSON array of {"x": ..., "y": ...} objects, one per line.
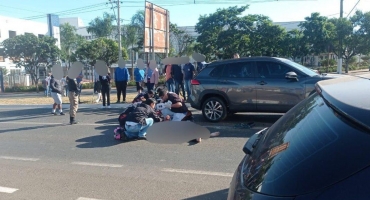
[
  {"x": 309, "y": 143},
  {"x": 217, "y": 71}
]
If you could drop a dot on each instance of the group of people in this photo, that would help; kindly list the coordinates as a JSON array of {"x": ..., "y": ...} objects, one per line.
[
  {"x": 56, "y": 91},
  {"x": 178, "y": 76},
  {"x": 145, "y": 110}
]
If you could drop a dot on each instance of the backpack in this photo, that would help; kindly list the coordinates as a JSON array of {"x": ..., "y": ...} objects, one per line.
[{"x": 122, "y": 117}]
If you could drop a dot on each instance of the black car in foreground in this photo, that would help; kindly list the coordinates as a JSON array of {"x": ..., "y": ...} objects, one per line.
[{"x": 320, "y": 149}]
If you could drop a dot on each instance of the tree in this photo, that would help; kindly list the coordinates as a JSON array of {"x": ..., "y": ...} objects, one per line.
[
  {"x": 210, "y": 27},
  {"x": 69, "y": 41},
  {"x": 265, "y": 39},
  {"x": 131, "y": 35},
  {"x": 354, "y": 33},
  {"x": 138, "y": 20},
  {"x": 31, "y": 52},
  {"x": 295, "y": 45},
  {"x": 317, "y": 31},
  {"x": 99, "y": 49},
  {"x": 181, "y": 40},
  {"x": 101, "y": 27}
]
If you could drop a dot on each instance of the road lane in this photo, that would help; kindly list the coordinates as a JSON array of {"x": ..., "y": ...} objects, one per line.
[{"x": 45, "y": 158}]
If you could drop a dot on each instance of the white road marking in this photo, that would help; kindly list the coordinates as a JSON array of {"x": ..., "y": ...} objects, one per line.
[
  {"x": 18, "y": 158},
  {"x": 7, "y": 190},
  {"x": 85, "y": 198},
  {"x": 97, "y": 164},
  {"x": 184, "y": 171}
]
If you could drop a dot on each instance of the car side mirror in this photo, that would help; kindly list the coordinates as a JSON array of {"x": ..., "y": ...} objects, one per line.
[{"x": 291, "y": 75}]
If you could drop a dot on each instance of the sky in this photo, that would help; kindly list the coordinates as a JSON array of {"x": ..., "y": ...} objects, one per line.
[{"x": 183, "y": 13}]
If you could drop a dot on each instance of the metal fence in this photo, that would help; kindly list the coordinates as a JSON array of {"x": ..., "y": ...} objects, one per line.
[{"x": 15, "y": 80}]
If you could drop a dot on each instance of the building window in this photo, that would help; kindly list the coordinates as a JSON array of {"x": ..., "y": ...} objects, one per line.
[{"x": 12, "y": 34}]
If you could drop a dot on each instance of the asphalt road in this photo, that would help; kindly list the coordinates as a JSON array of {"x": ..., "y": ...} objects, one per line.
[{"x": 42, "y": 157}]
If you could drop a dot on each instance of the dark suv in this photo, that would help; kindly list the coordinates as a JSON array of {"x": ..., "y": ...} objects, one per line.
[
  {"x": 254, "y": 84},
  {"x": 317, "y": 150}
]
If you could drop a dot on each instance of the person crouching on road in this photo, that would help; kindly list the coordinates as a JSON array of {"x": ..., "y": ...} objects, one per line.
[
  {"x": 174, "y": 104},
  {"x": 143, "y": 96},
  {"x": 140, "y": 119},
  {"x": 73, "y": 99},
  {"x": 56, "y": 94}
]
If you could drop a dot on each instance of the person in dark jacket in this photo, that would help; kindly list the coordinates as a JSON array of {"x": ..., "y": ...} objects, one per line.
[
  {"x": 141, "y": 118},
  {"x": 73, "y": 99},
  {"x": 121, "y": 77},
  {"x": 178, "y": 76},
  {"x": 143, "y": 96},
  {"x": 56, "y": 93},
  {"x": 105, "y": 90}
]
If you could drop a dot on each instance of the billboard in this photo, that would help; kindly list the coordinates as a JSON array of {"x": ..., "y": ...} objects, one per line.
[{"x": 157, "y": 29}]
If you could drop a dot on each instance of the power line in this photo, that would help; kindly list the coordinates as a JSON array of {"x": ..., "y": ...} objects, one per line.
[
  {"x": 353, "y": 8},
  {"x": 70, "y": 11},
  {"x": 21, "y": 9}
]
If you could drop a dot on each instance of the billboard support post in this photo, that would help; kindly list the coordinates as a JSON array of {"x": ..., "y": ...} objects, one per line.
[{"x": 156, "y": 30}]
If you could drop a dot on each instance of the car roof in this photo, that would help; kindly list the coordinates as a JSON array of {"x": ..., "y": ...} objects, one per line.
[
  {"x": 349, "y": 95},
  {"x": 255, "y": 58}
]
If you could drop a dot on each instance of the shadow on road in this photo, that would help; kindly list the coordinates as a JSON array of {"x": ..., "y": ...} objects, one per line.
[
  {"x": 220, "y": 194},
  {"x": 31, "y": 128},
  {"x": 104, "y": 139}
]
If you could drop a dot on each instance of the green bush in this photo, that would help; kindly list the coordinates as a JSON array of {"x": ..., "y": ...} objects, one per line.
[
  {"x": 24, "y": 88},
  {"x": 329, "y": 62}
]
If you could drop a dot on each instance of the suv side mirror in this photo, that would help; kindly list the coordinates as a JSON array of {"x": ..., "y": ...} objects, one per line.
[{"x": 291, "y": 75}]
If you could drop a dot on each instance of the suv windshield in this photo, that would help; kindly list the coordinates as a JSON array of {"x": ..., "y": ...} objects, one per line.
[
  {"x": 311, "y": 143},
  {"x": 302, "y": 68}
]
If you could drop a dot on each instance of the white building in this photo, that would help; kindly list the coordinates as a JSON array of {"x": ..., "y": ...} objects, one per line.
[{"x": 11, "y": 27}]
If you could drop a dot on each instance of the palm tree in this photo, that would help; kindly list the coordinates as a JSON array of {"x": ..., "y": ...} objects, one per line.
[
  {"x": 131, "y": 35},
  {"x": 101, "y": 27}
]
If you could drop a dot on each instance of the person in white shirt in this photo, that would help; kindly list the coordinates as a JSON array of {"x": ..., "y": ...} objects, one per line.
[{"x": 97, "y": 87}]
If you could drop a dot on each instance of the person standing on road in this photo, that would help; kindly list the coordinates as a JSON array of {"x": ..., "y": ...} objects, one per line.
[
  {"x": 188, "y": 71},
  {"x": 139, "y": 78},
  {"x": 169, "y": 79},
  {"x": 179, "y": 80},
  {"x": 73, "y": 99},
  {"x": 64, "y": 86},
  {"x": 48, "y": 84},
  {"x": 97, "y": 87},
  {"x": 105, "y": 90},
  {"x": 148, "y": 75},
  {"x": 56, "y": 94},
  {"x": 121, "y": 77}
]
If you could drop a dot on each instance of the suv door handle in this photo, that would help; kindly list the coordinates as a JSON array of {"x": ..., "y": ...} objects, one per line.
[{"x": 262, "y": 83}]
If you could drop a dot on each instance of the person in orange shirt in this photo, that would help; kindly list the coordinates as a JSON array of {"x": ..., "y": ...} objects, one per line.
[{"x": 170, "y": 83}]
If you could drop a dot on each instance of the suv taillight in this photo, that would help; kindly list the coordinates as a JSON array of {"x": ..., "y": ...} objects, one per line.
[{"x": 195, "y": 82}]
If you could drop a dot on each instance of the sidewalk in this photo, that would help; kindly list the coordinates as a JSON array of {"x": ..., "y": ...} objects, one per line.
[{"x": 130, "y": 89}]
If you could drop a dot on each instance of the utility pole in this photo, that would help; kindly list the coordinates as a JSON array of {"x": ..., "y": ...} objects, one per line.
[
  {"x": 119, "y": 30},
  {"x": 340, "y": 53}
]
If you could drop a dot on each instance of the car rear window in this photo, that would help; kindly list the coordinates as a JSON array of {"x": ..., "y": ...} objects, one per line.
[{"x": 309, "y": 148}]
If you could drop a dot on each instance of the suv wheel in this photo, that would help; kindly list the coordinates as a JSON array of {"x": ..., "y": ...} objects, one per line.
[{"x": 214, "y": 109}]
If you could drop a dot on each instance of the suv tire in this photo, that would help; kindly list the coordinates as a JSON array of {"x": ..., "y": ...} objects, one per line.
[{"x": 214, "y": 109}]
